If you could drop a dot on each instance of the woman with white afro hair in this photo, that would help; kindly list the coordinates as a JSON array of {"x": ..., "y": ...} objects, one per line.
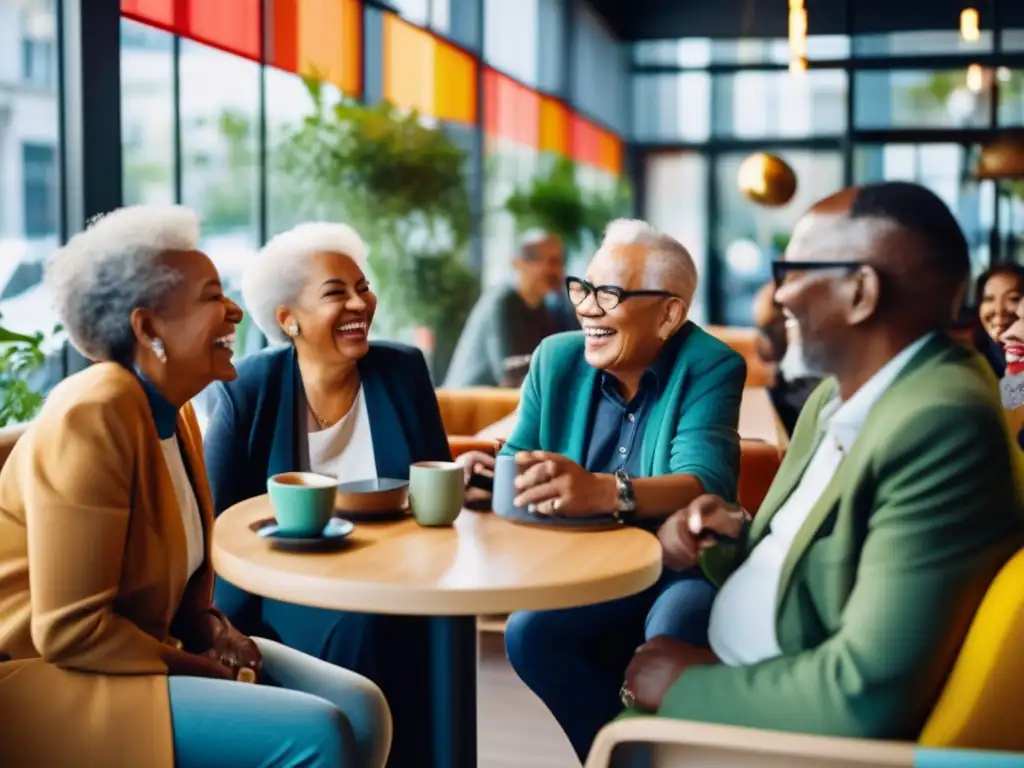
[
  {"x": 107, "y": 624},
  {"x": 328, "y": 400}
]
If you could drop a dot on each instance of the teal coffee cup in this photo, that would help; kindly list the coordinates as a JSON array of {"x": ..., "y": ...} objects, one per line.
[
  {"x": 303, "y": 502},
  {"x": 435, "y": 492}
]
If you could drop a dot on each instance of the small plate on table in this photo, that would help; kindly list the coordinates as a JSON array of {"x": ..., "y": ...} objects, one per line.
[
  {"x": 333, "y": 535},
  {"x": 378, "y": 500}
]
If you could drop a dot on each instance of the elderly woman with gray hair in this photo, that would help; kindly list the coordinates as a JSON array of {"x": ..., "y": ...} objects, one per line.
[
  {"x": 108, "y": 637},
  {"x": 327, "y": 400}
]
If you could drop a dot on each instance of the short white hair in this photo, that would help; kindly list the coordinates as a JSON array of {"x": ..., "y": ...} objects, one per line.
[
  {"x": 669, "y": 265},
  {"x": 276, "y": 276},
  {"x": 113, "y": 267}
]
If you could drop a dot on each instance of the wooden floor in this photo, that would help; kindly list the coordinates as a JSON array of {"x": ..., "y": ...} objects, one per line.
[{"x": 516, "y": 731}]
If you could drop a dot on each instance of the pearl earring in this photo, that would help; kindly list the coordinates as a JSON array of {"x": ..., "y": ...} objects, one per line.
[
  {"x": 158, "y": 349},
  {"x": 293, "y": 330}
]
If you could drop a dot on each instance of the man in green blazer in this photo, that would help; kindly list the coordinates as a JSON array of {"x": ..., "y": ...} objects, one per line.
[
  {"x": 845, "y": 601},
  {"x": 626, "y": 420}
]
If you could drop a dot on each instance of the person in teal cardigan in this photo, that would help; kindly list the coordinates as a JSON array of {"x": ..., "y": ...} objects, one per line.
[
  {"x": 845, "y": 601},
  {"x": 630, "y": 418}
]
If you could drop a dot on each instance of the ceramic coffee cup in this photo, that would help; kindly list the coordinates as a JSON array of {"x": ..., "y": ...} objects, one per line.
[
  {"x": 303, "y": 502},
  {"x": 436, "y": 492},
  {"x": 503, "y": 499}
]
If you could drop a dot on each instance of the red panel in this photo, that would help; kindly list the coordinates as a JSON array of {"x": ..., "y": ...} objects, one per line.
[
  {"x": 586, "y": 141},
  {"x": 283, "y": 34},
  {"x": 233, "y": 25},
  {"x": 511, "y": 110},
  {"x": 159, "y": 13}
]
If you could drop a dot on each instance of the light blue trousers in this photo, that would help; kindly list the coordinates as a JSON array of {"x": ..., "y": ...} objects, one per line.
[{"x": 305, "y": 712}]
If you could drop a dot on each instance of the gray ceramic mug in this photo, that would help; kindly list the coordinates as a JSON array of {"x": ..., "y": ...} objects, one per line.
[
  {"x": 436, "y": 492},
  {"x": 503, "y": 499}
]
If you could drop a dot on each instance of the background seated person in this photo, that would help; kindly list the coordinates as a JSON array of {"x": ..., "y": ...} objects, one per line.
[
  {"x": 327, "y": 400},
  {"x": 845, "y": 602},
  {"x": 793, "y": 383},
  {"x": 998, "y": 292},
  {"x": 642, "y": 406},
  {"x": 510, "y": 320},
  {"x": 115, "y": 655},
  {"x": 1012, "y": 384}
]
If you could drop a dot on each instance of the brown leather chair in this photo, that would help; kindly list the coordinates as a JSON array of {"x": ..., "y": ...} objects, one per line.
[
  {"x": 744, "y": 341},
  {"x": 758, "y": 464}
]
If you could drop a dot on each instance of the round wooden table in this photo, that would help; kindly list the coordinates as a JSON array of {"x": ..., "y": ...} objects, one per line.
[{"x": 481, "y": 565}]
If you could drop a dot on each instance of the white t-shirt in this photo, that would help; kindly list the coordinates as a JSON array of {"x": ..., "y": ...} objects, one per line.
[
  {"x": 345, "y": 450},
  {"x": 190, "y": 518}
]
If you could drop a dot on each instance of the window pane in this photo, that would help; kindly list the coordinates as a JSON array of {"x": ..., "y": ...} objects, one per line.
[
  {"x": 147, "y": 114},
  {"x": 748, "y": 236},
  {"x": 511, "y": 39},
  {"x": 602, "y": 92},
  {"x": 919, "y": 99},
  {"x": 700, "y": 52},
  {"x": 780, "y": 104},
  {"x": 1011, "y": 96},
  {"x": 930, "y": 43},
  {"x": 670, "y": 178},
  {"x": 415, "y": 11},
  {"x": 672, "y": 107},
  {"x": 29, "y": 167},
  {"x": 219, "y": 163},
  {"x": 458, "y": 20},
  {"x": 944, "y": 169}
]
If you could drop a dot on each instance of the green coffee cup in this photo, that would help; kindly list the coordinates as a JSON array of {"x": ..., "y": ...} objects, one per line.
[
  {"x": 435, "y": 492},
  {"x": 303, "y": 502}
]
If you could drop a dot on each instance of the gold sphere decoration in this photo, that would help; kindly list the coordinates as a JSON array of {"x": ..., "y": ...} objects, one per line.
[{"x": 766, "y": 179}]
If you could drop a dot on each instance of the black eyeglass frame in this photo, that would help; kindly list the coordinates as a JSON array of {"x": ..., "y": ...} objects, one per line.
[
  {"x": 781, "y": 267},
  {"x": 620, "y": 294}
]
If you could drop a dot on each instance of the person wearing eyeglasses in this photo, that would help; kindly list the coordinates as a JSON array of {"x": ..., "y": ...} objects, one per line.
[
  {"x": 627, "y": 419},
  {"x": 844, "y": 603}
]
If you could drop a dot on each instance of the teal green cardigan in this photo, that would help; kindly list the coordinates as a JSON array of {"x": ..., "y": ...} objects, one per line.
[{"x": 690, "y": 431}]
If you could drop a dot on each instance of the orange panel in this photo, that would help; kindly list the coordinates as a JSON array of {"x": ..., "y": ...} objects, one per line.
[
  {"x": 233, "y": 25},
  {"x": 328, "y": 36},
  {"x": 454, "y": 84},
  {"x": 408, "y": 65},
  {"x": 157, "y": 12},
  {"x": 610, "y": 152},
  {"x": 554, "y": 127}
]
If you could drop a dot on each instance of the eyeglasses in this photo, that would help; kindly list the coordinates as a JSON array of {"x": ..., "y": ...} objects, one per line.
[
  {"x": 608, "y": 297},
  {"x": 781, "y": 268}
]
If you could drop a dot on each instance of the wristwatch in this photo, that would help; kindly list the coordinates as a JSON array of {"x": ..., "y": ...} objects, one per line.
[{"x": 627, "y": 498}]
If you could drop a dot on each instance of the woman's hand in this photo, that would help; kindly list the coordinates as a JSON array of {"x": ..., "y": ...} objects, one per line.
[
  {"x": 551, "y": 484},
  {"x": 229, "y": 647},
  {"x": 696, "y": 527}
]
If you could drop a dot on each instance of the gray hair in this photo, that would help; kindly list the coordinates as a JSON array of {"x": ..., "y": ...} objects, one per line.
[
  {"x": 276, "y": 276},
  {"x": 114, "y": 266},
  {"x": 530, "y": 241},
  {"x": 669, "y": 265}
]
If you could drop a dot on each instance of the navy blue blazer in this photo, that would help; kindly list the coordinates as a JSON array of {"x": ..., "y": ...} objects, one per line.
[{"x": 252, "y": 432}]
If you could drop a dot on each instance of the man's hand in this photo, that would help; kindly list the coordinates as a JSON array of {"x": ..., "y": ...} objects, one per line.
[
  {"x": 656, "y": 665},
  {"x": 551, "y": 484},
  {"x": 228, "y": 646},
  {"x": 695, "y": 528}
]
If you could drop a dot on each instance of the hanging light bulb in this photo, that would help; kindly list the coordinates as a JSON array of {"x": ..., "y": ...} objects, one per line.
[
  {"x": 798, "y": 65},
  {"x": 797, "y": 36},
  {"x": 969, "y": 26},
  {"x": 975, "y": 78}
]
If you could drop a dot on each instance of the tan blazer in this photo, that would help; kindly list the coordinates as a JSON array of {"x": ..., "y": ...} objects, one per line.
[{"x": 87, "y": 500}]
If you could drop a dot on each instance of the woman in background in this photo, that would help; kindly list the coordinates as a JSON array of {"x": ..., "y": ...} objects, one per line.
[
  {"x": 327, "y": 400},
  {"x": 998, "y": 291},
  {"x": 114, "y": 653}
]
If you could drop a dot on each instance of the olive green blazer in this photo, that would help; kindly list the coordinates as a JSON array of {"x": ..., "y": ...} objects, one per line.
[{"x": 881, "y": 582}]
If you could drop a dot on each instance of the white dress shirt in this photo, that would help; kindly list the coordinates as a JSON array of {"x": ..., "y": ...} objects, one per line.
[
  {"x": 187, "y": 503},
  {"x": 345, "y": 449},
  {"x": 742, "y": 626}
]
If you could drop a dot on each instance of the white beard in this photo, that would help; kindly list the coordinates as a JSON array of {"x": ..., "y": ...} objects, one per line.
[{"x": 793, "y": 365}]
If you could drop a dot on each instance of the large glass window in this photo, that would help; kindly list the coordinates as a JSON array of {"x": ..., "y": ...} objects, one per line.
[
  {"x": 919, "y": 99},
  {"x": 780, "y": 104},
  {"x": 1011, "y": 96},
  {"x": 511, "y": 39},
  {"x": 673, "y": 107},
  {"x": 29, "y": 167},
  {"x": 748, "y": 237},
  {"x": 602, "y": 91},
  {"x": 699, "y": 52}
]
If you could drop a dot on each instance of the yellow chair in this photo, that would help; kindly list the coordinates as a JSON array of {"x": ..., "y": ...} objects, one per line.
[{"x": 979, "y": 709}]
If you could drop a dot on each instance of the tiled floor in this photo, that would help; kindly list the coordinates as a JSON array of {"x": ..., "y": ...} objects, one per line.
[{"x": 516, "y": 731}]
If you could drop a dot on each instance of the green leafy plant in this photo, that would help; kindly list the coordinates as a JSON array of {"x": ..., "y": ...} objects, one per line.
[
  {"x": 20, "y": 357},
  {"x": 555, "y": 202},
  {"x": 402, "y": 184}
]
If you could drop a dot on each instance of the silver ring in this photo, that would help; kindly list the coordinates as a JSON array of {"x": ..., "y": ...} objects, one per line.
[
  {"x": 626, "y": 697},
  {"x": 531, "y": 508},
  {"x": 556, "y": 504}
]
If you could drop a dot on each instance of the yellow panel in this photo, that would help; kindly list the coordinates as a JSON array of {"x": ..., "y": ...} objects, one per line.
[
  {"x": 408, "y": 65},
  {"x": 554, "y": 127},
  {"x": 454, "y": 85},
  {"x": 329, "y": 39}
]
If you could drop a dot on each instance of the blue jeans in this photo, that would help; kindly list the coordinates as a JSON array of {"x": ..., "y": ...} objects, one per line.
[
  {"x": 575, "y": 659},
  {"x": 305, "y": 713}
]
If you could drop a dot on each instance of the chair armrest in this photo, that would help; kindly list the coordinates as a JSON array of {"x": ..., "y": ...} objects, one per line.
[{"x": 685, "y": 743}]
